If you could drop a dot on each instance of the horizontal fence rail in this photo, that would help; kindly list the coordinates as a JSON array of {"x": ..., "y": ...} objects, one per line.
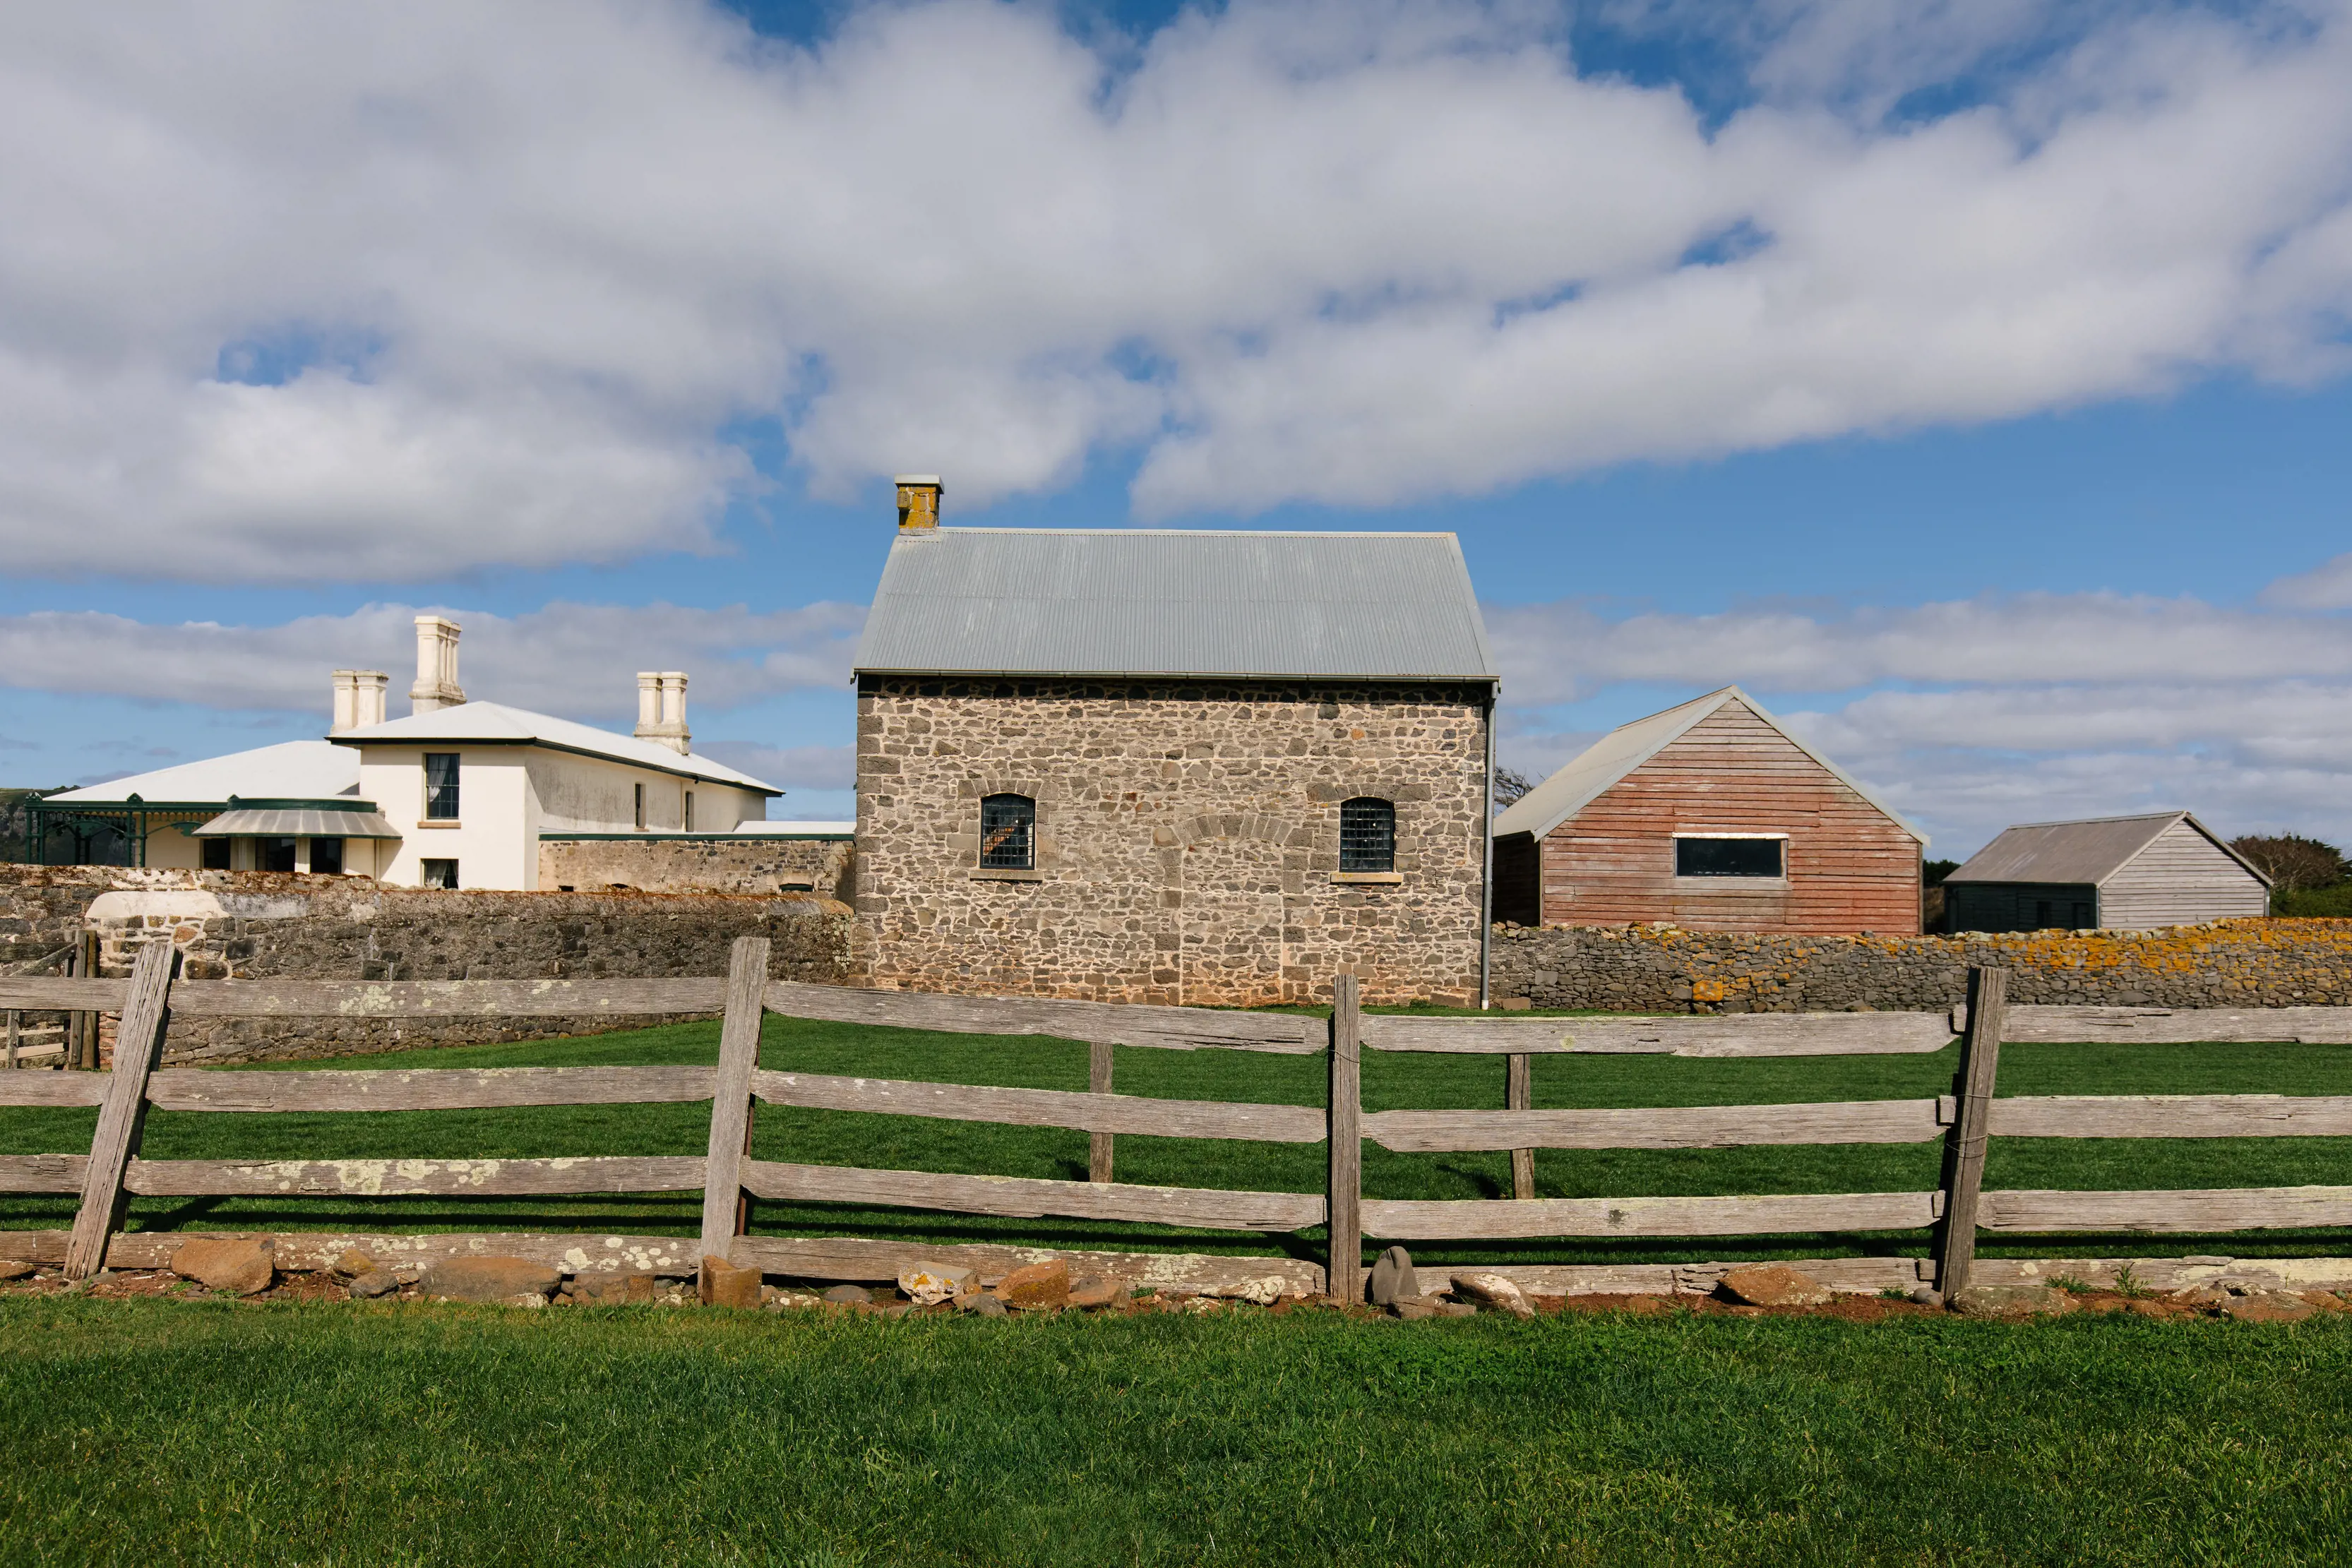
[{"x": 729, "y": 1178}]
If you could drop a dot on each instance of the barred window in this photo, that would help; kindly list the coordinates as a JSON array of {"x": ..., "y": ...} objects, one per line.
[
  {"x": 1008, "y": 833},
  {"x": 1367, "y": 835}
]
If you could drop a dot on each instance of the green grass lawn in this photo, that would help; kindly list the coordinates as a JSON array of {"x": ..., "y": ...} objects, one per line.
[
  {"x": 1391, "y": 1081},
  {"x": 166, "y": 1432}
]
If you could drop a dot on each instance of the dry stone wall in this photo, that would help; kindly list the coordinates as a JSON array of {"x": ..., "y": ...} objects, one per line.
[
  {"x": 1187, "y": 838},
  {"x": 1642, "y": 968},
  {"x": 254, "y": 925},
  {"x": 717, "y": 862}
]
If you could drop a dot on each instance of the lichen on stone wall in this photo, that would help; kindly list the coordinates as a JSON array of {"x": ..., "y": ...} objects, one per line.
[{"x": 1653, "y": 968}]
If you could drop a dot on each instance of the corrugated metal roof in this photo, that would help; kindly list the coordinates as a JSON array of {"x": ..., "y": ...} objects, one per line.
[
  {"x": 1594, "y": 771},
  {"x": 495, "y": 722},
  {"x": 291, "y": 770},
  {"x": 2089, "y": 851},
  {"x": 1175, "y": 601},
  {"x": 297, "y": 824}
]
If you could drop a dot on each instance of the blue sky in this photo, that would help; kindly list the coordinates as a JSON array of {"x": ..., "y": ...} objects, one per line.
[{"x": 1971, "y": 391}]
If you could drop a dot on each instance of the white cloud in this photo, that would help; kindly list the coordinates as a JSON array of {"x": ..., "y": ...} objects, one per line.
[
  {"x": 571, "y": 659},
  {"x": 495, "y": 281},
  {"x": 793, "y": 767},
  {"x": 1973, "y": 714}
]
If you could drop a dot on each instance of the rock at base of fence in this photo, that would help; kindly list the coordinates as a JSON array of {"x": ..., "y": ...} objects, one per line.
[
  {"x": 1774, "y": 1285},
  {"x": 1982, "y": 1301},
  {"x": 723, "y": 1284},
  {"x": 515, "y": 1281},
  {"x": 240, "y": 1263},
  {"x": 1393, "y": 1276},
  {"x": 1493, "y": 1291}
]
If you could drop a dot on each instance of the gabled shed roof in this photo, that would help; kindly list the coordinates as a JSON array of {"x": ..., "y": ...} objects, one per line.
[
  {"x": 1600, "y": 765},
  {"x": 1175, "y": 601},
  {"x": 2086, "y": 852}
]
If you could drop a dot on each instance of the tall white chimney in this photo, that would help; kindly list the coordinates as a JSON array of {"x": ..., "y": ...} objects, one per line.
[
  {"x": 661, "y": 708},
  {"x": 359, "y": 699},
  {"x": 436, "y": 684}
]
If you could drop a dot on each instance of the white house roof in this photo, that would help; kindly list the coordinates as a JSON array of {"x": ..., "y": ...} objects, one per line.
[
  {"x": 1175, "y": 601},
  {"x": 2089, "y": 851},
  {"x": 495, "y": 723},
  {"x": 1592, "y": 772},
  {"x": 292, "y": 770}
]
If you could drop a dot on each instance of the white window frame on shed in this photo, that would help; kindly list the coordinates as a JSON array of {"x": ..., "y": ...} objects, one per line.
[{"x": 1730, "y": 882}]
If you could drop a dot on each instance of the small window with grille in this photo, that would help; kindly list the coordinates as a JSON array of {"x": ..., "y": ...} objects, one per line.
[
  {"x": 1367, "y": 835},
  {"x": 1008, "y": 833},
  {"x": 441, "y": 787}
]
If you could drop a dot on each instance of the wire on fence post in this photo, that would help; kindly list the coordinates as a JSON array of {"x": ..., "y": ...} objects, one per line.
[
  {"x": 1344, "y": 1273},
  {"x": 725, "y": 1209},
  {"x": 1098, "y": 1146},
  {"x": 1519, "y": 1094},
  {"x": 89, "y": 946},
  {"x": 1964, "y": 1146},
  {"x": 123, "y": 1112}
]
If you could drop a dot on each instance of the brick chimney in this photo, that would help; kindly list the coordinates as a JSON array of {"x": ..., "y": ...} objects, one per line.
[
  {"x": 919, "y": 500},
  {"x": 661, "y": 708},
  {"x": 436, "y": 684},
  {"x": 359, "y": 699}
]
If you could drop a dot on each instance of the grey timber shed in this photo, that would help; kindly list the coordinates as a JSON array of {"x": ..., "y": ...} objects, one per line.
[{"x": 2166, "y": 868}]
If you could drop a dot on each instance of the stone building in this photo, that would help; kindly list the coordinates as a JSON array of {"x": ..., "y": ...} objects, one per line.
[{"x": 1172, "y": 766}]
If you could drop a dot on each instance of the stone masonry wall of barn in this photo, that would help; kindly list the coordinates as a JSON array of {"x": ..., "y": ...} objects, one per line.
[
  {"x": 2226, "y": 963},
  {"x": 252, "y": 925},
  {"x": 1187, "y": 838}
]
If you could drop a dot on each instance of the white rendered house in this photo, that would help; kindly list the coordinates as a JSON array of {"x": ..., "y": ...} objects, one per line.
[{"x": 454, "y": 795}]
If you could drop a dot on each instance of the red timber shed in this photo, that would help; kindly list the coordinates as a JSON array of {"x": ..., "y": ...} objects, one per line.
[{"x": 1713, "y": 817}]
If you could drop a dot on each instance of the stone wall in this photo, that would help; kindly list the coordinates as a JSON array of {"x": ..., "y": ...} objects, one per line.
[
  {"x": 2230, "y": 963},
  {"x": 712, "y": 863},
  {"x": 1187, "y": 838},
  {"x": 252, "y": 925}
]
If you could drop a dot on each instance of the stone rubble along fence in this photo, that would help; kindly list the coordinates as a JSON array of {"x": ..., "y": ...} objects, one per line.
[{"x": 1665, "y": 970}]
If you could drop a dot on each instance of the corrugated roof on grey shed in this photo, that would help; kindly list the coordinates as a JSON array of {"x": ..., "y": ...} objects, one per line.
[{"x": 1143, "y": 602}]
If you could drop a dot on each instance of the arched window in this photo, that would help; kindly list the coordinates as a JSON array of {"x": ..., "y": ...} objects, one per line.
[
  {"x": 1008, "y": 833},
  {"x": 1367, "y": 834}
]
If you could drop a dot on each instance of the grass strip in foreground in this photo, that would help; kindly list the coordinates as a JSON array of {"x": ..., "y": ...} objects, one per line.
[{"x": 202, "y": 1433}]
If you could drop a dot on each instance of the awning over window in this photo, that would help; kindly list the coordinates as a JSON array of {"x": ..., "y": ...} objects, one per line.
[{"x": 259, "y": 823}]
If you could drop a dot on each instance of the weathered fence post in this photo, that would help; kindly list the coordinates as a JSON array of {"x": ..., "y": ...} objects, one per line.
[
  {"x": 13, "y": 1016},
  {"x": 1344, "y": 1275},
  {"x": 137, "y": 1044},
  {"x": 1964, "y": 1146},
  {"x": 725, "y": 1209},
  {"x": 1519, "y": 1094},
  {"x": 1098, "y": 1150}
]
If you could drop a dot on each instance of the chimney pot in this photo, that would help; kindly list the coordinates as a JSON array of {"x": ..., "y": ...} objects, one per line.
[
  {"x": 359, "y": 699},
  {"x": 661, "y": 708},
  {"x": 919, "y": 500},
  {"x": 436, "y": 684}
]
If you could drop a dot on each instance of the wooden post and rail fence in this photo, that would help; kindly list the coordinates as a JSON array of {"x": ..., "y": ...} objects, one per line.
[{"x": 1952, "y": 1216}]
